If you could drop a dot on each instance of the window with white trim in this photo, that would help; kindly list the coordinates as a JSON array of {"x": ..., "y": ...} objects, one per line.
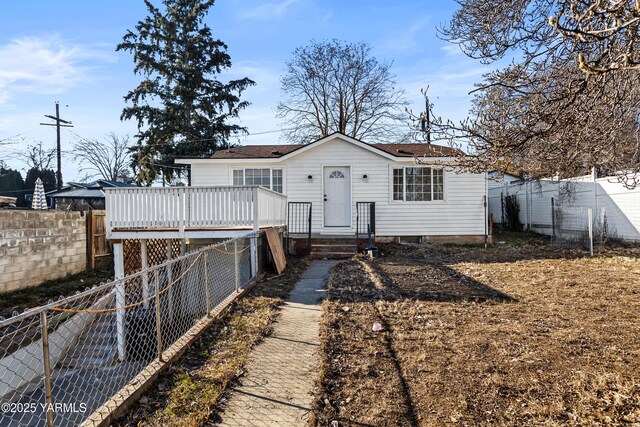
[
  {"x": 266, "y": 177},
  {"x": 418, "y": 184}
]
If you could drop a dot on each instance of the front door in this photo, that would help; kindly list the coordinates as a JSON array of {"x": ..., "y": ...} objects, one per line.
[{"x": 337, "y": 196}]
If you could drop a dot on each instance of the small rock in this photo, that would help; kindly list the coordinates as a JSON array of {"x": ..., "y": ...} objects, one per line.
[
  {"x": 377, "y": 327},
  {"x": 345, "y": 309}
]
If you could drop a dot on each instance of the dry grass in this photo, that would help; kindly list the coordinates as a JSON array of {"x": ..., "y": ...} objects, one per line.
[
  {"x": 519, "y": 335},
  {"x": 51, "y": 290},
  {"x": 189, "y": 393}
]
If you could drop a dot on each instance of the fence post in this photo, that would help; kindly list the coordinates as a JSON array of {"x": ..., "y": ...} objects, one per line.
[
  {"x": 158, "y": 317},
  {"x": 206, "y": 284},
  {"x": 236, "y": 256},
  {"x": 553, "y": 220},
  {"x": 118, "y": 258},
  {"x": 590, "y": 219},
  {"x": 44, "y": 324},
  {"x": 91, "y": 258}
]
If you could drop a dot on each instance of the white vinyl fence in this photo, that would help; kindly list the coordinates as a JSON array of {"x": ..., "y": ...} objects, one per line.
[{"x": 615, "y": 209}]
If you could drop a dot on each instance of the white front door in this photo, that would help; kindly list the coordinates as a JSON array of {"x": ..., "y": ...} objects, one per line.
[{"x": 337, "y": 196}]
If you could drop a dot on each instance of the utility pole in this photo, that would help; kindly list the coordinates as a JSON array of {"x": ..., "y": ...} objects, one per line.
[
  {"x": 425, "y": 120},
  {"x": 58, "y": 124}
]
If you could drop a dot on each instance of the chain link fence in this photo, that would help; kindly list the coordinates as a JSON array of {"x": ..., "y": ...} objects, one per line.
[
  {"x": 578, "y": 226},
  {"x": 61, "y": 362}
]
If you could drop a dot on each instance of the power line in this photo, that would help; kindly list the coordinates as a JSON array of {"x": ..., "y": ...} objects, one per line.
[{"x": 58, "y": 124}]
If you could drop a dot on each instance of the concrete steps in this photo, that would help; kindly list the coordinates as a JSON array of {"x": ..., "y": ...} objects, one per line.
[
  {"x": 95, "y": 347},
  {"x": 333, "y": 248}
]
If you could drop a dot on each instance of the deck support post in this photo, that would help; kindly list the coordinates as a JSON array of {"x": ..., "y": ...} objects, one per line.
[
  {"x": 118, "y": 267},
  {"x": 170, "y": 278},
  {"x": 144, "y": 258},
  {"x": 254, "y": 255}
]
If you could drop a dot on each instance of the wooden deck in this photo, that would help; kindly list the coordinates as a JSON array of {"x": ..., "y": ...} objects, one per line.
[{"x": 192, "y": 212}]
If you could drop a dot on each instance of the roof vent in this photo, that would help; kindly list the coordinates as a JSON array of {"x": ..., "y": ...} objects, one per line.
[
  {"x": 405, "y": 152},
  {"x": 276, "y": 153}
]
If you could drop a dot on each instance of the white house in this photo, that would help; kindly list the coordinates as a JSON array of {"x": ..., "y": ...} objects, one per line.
[{"x": 350, "y": 184}]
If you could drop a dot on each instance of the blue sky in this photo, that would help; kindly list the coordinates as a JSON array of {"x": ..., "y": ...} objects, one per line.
[{"x": 65, "y": 51}]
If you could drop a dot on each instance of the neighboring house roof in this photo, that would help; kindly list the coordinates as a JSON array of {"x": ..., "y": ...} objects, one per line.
[
  {"x": 87, "y": 190},
  {"x": 81, "y": 193},
  {"x": 285, "y": 151},
  {"x": 100, "y": 183}
]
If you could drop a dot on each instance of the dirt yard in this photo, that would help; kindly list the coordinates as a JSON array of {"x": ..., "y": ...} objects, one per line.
[
  {"x": 17, "y": 301},
  {"x": 521, "y": 334}
]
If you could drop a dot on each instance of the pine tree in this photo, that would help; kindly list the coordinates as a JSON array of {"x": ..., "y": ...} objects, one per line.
[{"x": 181, "y": 107}]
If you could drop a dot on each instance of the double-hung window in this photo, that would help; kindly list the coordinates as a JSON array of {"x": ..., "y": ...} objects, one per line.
[
  {"x": 266, "y": 177},
  {"x": 418, "y": 184}
]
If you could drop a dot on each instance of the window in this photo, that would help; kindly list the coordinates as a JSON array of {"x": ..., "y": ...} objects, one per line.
[
  {"x": 258, "y": 177},
  {"x": 336, "y": 174},
  {"x": 418, "y": 184},
  {"x": 277, "y": 180},
  {"x": 266, "y": 177},
  {"x": 238, "y": 177}
]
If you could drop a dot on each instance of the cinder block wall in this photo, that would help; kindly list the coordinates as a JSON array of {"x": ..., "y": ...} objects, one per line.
[{"x": 40, "y": 245}]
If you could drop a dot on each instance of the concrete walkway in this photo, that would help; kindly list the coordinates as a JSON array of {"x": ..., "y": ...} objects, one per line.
[{"x": 281, "y": 370}]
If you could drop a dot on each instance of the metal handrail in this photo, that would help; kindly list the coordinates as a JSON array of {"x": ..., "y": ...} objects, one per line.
[
  {"x": 296, "y": 216},
  {"x": 365, "y": 216}
]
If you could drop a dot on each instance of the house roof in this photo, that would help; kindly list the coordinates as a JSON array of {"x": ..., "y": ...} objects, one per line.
[
  {"x": 418, "y": 149},
  {"x": 277, "y": 151},
  {"x": 74, "y": 189},
  {"x": 100, "y": 183},
  {"x": 256, "y": 151},
  {"x": 81, "y": 193}
]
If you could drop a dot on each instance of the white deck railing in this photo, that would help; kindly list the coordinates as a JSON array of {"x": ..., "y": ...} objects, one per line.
[{"x": 181, "y": 208}]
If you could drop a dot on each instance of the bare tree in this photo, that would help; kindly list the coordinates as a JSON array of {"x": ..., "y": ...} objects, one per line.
[
  {"x": 38, "y": 156},
  {"x": 108, "y": 159},
  {"x": 5, "y": 152},
  {"x": 610, "y": 31},
  {"x": 340, "y": 87},
  {"x": 552, "y": 111}
]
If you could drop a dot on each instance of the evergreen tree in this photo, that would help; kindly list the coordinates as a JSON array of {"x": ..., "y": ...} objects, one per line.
[
  {"x": 11, "y": 184},
  {"x": 48, "y": 177},
  {"x": 181, "y": 108}
]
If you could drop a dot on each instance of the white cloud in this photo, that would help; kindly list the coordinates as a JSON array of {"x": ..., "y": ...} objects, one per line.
[
  {"x": 268, "y": 11},
  {"x": 266, "y": 75},
  {"x": 451, "y": 49},
  {"x": 47, "y": 65},
  {"x": 408, "y": 38}
]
